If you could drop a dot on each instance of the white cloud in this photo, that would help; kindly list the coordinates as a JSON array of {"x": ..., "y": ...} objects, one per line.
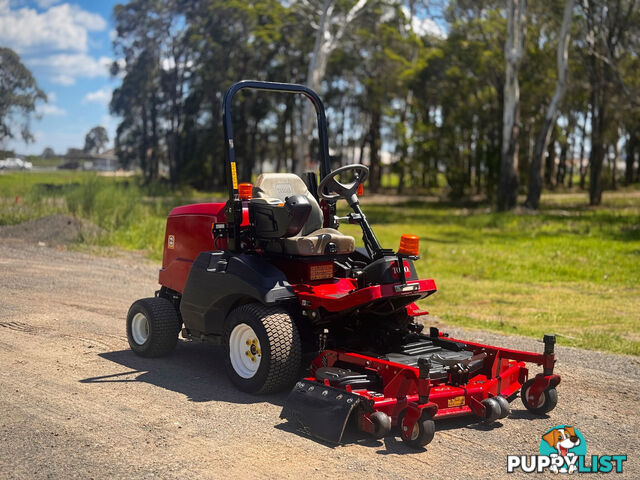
[
  {"x": 101, "y": 96},
  {"x": 424, "y": 25},
  {"x": 51, "y": 109},
  {"x": 64, "y": 68},
  {"x": 60, "y": 28}
]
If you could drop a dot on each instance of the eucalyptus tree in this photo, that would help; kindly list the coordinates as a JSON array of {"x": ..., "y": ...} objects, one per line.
[
  {"x": 19, "y": 94},
  {"x": 551, "y": 115}
]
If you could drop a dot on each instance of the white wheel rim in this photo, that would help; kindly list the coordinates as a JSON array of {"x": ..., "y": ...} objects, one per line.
[
  {"x": 245, "y": 352},
  {"x": 140, "y": 328},
  {"x": 415, "y": 432},
  {"x": 540, "y": 400}
]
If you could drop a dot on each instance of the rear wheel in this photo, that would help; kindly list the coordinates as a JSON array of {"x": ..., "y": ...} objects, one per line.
[
  {"x": 263, "y": 348},
  {"x": 152, "y": 327}
]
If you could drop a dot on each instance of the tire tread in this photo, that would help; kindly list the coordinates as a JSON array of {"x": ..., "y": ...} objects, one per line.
[
  {"x": 285, "y": 345},
  {"x": 165, "y": 326}
]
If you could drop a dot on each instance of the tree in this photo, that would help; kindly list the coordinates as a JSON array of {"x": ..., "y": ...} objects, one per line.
[
  {"x": 611, "y": 28},
  {"x": 513, "y": 49},
  {"x": 19, "y": 93},
  {"x": 48, "y": 153},
  {"x": 542, "y": 143},
  {"x": 331, "y": 26},
  {"x": 96, "y": 140}
]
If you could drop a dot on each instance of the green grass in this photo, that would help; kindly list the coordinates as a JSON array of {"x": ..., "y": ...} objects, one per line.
[{"x": 568, "y": 269}]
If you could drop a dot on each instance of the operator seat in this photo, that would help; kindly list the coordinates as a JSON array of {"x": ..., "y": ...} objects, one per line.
[{"x": 313, "y": 239}]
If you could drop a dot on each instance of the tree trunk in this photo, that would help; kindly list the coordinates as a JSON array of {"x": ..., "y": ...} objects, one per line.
[
  {"x": 550, "y": 163},
  {"x": 535, "y": 180},
  {"x": 630, "y": 160},
  {"x": 572, "y": 155},
  {"x": 583, "y": 170},
  {"x": 508, "y": 182},
  {"x": 326, "y": 41},
  {"x": 613, "y": 161},
  {"x": 144, "y": 150},
  {"x": 562, "y": 165},
  {"x": 155, "y": 147},
  {"x": 374, "y": 151},
  {"x": 596, "y": 157},
  {"x": 479, "y": 152}
]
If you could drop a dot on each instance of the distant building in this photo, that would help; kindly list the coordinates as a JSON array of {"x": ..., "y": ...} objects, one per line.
[{"x": 106, "y": 161}]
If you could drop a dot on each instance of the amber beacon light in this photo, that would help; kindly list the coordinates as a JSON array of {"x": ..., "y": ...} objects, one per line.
[
  {"x": 409, "y": 245},
  {"x": 245, "y": 191}
]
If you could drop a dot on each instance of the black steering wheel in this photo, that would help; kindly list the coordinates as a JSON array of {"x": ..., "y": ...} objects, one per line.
[{"x": 336, "y": 190}]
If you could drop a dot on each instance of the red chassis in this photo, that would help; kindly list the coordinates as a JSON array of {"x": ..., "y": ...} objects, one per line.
[{"x": 408, "y": 396}]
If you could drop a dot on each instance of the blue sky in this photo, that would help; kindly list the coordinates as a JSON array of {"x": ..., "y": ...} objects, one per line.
[{"x": 67, "y": 47}]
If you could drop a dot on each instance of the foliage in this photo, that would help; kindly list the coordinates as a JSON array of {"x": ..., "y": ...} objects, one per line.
[
  {"x": 95, "y": 140},
  {"x": 404, "y": 101},
  {"x": 18, "y": 96}
]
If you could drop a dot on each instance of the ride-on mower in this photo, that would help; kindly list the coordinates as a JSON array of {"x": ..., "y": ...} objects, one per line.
[{"x": 268, "y": 276}]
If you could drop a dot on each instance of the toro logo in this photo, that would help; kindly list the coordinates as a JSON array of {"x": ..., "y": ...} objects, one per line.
[
  {"x": 171, "y": 242},
  {"x": 395, "y": 271},
  {"x": 563, "y": 449}
]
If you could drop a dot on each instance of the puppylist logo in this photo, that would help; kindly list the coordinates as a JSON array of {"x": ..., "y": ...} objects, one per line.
[{"x": 563, "y": 449}]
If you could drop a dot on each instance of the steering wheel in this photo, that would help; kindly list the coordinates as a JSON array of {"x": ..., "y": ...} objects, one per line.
[{"x": 336, "y": 190}]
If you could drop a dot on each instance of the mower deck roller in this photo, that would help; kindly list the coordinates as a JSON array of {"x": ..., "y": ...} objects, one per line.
[
  {"x": 268, "y": 276},
  {"x": 322, "y": 411}
]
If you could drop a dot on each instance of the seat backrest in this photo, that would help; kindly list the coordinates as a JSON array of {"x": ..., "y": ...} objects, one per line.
[{"x": 283, "y": 185}]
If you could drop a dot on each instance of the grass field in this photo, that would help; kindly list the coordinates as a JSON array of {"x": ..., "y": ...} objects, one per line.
[{"x": 568, "y": 269}]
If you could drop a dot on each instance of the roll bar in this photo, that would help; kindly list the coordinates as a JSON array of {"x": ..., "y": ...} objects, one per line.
[{"x": 234, "y": 214}]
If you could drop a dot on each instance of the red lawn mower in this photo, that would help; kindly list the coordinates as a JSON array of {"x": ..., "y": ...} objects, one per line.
[{"x": 268, "y": 276}]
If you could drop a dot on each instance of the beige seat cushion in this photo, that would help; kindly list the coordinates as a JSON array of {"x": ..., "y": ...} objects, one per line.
[
  {"x": 316, "y": 242},
  {"x": 312, "y": 239}
]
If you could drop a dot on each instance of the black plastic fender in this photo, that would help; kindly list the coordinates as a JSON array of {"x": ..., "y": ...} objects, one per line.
[{"x": 218, "y": 281}]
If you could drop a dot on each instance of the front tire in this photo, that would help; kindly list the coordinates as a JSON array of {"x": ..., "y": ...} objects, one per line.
[
  {"x": 152, "y": 327},
  {"x": 263, "y": 348}
]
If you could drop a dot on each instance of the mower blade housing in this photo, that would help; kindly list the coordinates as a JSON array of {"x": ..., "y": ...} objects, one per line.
[{"x": 319, "y": 410}]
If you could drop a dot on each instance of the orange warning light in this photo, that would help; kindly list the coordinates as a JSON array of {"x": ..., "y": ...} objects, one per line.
[
  {"x": 245, "y": 191},
  {"x": 360, "y": 191},
  {"x": 409, "y": 245}
]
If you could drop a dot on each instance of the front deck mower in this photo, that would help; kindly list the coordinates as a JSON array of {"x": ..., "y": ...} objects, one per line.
[{"x": 268, "y": 276}]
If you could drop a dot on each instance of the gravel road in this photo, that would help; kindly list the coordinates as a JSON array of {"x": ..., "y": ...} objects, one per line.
[{"x": 77, "y": 403}]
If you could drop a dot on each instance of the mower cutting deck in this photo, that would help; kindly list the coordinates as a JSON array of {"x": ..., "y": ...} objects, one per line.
[{"x": 269, "y": 276}]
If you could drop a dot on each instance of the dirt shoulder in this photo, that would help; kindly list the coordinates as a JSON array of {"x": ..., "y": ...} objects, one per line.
[{"x": 77, "y": 403}]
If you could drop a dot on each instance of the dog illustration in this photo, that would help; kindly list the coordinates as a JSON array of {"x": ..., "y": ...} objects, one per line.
[{"x": 562, "y": 440}]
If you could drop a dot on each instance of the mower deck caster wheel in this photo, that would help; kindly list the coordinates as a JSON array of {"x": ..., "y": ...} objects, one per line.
[
  {"x": 505, "y": 408},
  {"x": 493, "y": 410},
  {"x": 382, "y": 423},
  {"x": 547, "y": 402},
  {"x": 422, "y": 434}
]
